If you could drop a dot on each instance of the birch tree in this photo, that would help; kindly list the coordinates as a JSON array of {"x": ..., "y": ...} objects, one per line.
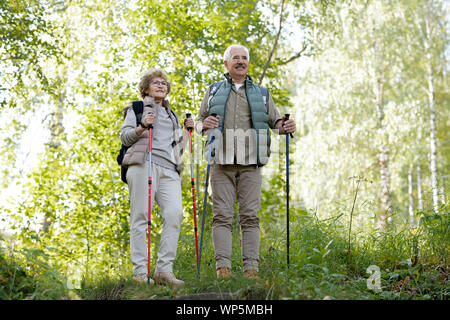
[
  {"x": 362, "y": 107},
  {"x": 428, "y": 68},
  {"x": 419, "y": 189},
  {"x": 430, "y": 29}
]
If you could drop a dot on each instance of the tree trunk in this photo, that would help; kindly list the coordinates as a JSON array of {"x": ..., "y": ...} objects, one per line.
[
  {"x": 419, "y": 188},
  {"x": 433, "y": 140},
  {"x": 56, "y": 133},
  {"x": 383, "y": 157},
  {"x": 385, "y": 196},
  {"x": 442, "y": 193},
  {"x": 411, "y": 198}
]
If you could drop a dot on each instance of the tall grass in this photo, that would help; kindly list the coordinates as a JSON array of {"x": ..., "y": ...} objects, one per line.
[
  {"x": 413, "y": 263},
  {"x": 25, "y": 274}
]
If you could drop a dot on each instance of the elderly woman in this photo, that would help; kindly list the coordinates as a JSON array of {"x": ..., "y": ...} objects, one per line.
[{"x": 167, "y": 147}]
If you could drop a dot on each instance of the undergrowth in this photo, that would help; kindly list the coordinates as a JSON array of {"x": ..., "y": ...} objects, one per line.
[{"x": 412, "y": 264}]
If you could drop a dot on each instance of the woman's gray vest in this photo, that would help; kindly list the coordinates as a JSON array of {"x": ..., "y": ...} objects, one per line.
[{"x": 257, "y": 97}]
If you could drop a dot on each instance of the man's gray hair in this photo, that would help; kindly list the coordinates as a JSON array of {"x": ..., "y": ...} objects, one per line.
[{"x": 227, "y": 53}]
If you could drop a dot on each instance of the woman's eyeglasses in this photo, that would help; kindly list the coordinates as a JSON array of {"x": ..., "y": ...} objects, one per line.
[{"x": 159, "y": 83}]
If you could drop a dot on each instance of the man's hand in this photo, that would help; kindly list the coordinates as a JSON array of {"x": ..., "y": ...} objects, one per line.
[
  {"x": 289, "y": 125},
  {"x": 211, "y": 122},
  {"x": 285, "y": 126}
]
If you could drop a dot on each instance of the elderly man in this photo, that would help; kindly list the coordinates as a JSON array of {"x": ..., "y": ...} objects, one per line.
[{"x": 244, "y": 114}]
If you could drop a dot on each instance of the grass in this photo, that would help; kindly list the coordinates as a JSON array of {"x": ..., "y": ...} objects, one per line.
[
  {"x": 34, "y": 279},
  {"x": 413, "y": 264}
]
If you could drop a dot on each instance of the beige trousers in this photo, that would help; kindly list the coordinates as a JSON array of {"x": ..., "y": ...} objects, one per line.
[
  {"x": 227, "y": 183},
  {"x": 166, "y": 190}
]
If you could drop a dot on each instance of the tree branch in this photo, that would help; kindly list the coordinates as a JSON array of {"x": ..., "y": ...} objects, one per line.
[
  {"x": 296, "y": 56},
  {"x": 266, "y": 65}
]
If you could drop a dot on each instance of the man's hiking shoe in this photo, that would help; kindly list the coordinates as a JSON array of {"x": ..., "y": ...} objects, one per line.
[
  {"x": 168, "y": 278},
  {"x": 251, "y": 274},
  {"x": 223, "y": 273},
  {"x": 142, "y": 278}
]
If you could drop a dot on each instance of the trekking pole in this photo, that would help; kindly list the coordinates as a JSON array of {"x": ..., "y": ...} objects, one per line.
[
  {"x": 150, "y": 128},
  {"x": 204, "y": 198},
  {"x": 188, "y": 115},
  {"x": 286, "y": 116}
]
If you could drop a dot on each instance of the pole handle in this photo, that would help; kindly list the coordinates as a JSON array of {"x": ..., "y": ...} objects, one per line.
[
  {"x": 188, "y": 115},
  {"x": 286, "y": 117},
  {"x": 213, "y": 151}
]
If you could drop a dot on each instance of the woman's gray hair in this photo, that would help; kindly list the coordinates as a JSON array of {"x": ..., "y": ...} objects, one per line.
[
  {"x": 147, "y": 78},
  {"x": 227, "y": 53}
]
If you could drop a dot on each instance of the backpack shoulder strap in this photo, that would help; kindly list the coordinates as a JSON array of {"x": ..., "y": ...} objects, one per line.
[
  {"x": 138, "y": 108},
  {"x": 213, "y": 90},
  {"x": 264, "y": 93},
  {"x": 214, "y": 87},
  {"x": 178, "y": 123},
  {"x": 175, "y": 115}
]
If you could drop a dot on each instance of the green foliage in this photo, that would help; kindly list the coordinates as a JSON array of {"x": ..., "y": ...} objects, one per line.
[
  {"x": 75, "y": 192},
  {"x": 436, "y": 227},
  {"x": 25, "y": 274},
  {"x": 318, "y": 268},
  {"x": 72, "y": 214},
  {"x": 27, "y": 38},
  {"x": 362, "y": 90}
]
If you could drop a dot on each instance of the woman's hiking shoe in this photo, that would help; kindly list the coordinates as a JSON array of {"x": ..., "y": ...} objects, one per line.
[
  {"x": 142, "y": 278},
  {"x": 168, "y": 278}
]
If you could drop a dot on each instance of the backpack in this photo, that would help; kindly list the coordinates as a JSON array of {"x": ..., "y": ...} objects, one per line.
[{"x": 138, "y": 108}]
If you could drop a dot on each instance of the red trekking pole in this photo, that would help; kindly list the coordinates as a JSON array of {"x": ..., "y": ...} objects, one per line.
[
  {"x": 150, "y": 127},
  {"x": 188, "y": 115}
]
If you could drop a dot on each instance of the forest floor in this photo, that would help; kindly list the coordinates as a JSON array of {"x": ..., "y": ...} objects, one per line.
[
  {"x": 400, "y": 265},
  {"x": 313, "y": 282},
  {"x": 402, "y": 280}
]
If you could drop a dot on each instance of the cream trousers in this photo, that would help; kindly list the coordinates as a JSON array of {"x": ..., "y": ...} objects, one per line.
[{"x": 166, "y": 190}]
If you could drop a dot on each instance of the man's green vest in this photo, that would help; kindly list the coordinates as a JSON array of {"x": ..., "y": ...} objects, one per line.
[{"x": 258, "y": 109}]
